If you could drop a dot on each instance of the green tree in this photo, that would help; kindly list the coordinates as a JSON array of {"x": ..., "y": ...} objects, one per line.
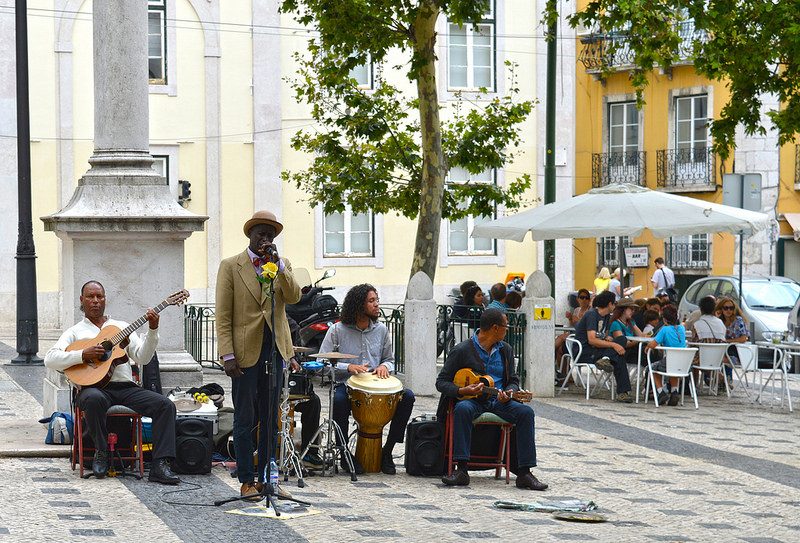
[
  {"x": 386, "y": 151},
  {"x": 751, "y": 45}
]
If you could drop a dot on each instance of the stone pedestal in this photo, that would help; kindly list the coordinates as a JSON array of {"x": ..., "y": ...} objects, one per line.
[
  {"x": 539, "y": 309},
  {"x": 420, "y": 336},
  {"x": 122, "y": 227}
]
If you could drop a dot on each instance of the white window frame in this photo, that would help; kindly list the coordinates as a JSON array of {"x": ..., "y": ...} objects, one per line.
[
  {"x": 169, "y": 87},
  {"x": 496, "y": 257},
  {"x": 693, "y": 118},
  {"x": 490, "y": 20},
  {"x": 370, "y": 66},
  {"x": 612, "y": 241},
  {"x": 345, "y": 260},
  {"x": 170, "y": 152},
  {"x": 673, "y": 96}
]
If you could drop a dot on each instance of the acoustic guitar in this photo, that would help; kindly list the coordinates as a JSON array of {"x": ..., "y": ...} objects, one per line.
[
  {"x": 466, "y": 377},
  {"x": 97, "y": 372}
]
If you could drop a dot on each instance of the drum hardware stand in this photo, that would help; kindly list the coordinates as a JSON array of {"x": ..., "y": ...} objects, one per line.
[
  {"x": 331, "y": 451},
  {"x": 268, "y": 492},
  {"x": 289, "y": 458}
]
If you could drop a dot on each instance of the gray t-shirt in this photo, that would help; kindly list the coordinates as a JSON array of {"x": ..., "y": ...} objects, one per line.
[{"x": 372, "y": 346}]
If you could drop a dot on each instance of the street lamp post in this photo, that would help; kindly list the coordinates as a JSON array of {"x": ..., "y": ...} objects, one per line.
[{"x": 27, "y": 313}]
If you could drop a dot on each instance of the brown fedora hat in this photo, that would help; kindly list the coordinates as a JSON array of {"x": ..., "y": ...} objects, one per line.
[
  {"x": 262, "y": 217},
  {"x": 626, "y": 302}
]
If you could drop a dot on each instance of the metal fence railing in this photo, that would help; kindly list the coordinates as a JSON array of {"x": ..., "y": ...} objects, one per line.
[
  {"x": 200, "y": 333},
  {"x": 619, "y": 167},
  {"x": 614, "y": 49},
  {"x": 394, "y": 319},
  {"x": 688, "y": 256},
  {"x": 455, "y": 323},
  {"x": 686, "y": 168}
]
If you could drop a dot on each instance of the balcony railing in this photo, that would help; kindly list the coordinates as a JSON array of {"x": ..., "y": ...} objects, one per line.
[
  {"x": 686, "y": 168},
  {"x": 623, "y": 167},
  {"x": 613, "y": 50},
  {"x": 688, "y": 256}
]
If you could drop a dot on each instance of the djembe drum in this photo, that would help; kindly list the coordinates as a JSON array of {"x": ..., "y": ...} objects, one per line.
[{"x": 373, "y": 402}]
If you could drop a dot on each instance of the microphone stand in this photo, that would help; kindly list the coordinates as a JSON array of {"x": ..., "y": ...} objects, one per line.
[{"x": 268, "y": 491}]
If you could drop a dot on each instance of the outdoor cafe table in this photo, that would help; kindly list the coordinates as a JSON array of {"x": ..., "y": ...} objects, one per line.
[
  {"x": 783, "y": 353},
  {"x": 642, "y": 341}
]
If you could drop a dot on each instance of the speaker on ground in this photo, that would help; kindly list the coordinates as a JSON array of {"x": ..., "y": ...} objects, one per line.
[{"x": 194, "y": 445}]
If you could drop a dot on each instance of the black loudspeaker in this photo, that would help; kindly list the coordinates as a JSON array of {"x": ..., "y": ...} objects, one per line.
[
  {"x": 194, "y": 445},
  {"x": 424, "y": 448}
]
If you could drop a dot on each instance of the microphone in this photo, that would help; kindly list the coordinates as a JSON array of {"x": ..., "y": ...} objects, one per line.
[{"x": 270, "y": 251}]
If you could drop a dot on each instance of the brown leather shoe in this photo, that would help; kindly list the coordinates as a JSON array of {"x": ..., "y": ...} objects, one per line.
[
  {"x": 530, "y": 482},
  {"x": 251, "y": 489}
]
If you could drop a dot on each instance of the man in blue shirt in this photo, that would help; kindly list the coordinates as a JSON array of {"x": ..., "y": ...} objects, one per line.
[
  {"x": 487, "y": 353},
  {"x": 498, "y": 293}
]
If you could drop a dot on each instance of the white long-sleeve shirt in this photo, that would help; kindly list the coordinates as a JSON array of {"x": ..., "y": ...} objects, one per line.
[{"x": 139, "y": 350}]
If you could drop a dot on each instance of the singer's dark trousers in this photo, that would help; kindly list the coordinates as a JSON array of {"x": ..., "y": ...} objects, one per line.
[
  {"x": 255, "y": 405},
  {"x": 95, "y": 402}
]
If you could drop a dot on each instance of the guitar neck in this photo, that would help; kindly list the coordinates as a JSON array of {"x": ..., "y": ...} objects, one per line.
[{"x": 132, "y": 327}]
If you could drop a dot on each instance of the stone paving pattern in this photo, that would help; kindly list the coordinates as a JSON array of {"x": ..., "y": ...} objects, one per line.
[{"x": 729, "y": 471}]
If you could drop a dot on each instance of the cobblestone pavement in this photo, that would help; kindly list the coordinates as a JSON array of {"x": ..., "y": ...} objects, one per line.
[{"x": 726, "y": 472}]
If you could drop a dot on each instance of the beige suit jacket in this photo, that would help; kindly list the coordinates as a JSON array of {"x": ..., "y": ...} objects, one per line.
[{"x": 242, "y": 308}]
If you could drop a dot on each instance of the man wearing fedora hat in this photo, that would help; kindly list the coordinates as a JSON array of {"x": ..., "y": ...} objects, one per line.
[{"x": 248, "y": 301}]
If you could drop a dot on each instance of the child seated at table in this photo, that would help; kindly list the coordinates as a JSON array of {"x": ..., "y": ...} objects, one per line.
[
  {"x": 671, "y": 334},
  {"x": 651, "y": 321}
]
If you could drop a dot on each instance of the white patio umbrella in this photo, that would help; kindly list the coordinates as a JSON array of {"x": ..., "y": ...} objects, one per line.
[{"x": 623, "y": 210}]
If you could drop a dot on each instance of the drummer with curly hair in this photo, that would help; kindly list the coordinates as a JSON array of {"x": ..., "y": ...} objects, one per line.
[{"x": 359, "y": 333}]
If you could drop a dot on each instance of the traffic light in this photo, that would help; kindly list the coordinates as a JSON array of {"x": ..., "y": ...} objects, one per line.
[{"x": 185, "y": 194}]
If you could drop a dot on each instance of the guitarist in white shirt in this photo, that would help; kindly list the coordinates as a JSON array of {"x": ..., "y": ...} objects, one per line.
[
  {"x": 486, "y": 353},
  {"x": 121, "y": 389}
]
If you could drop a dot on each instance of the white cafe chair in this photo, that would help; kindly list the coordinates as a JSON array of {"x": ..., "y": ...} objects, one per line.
[
  {"x": 574, "y": 351},
  {"x": 678, "y": 364},
  {"x": 711, "y": 357}
]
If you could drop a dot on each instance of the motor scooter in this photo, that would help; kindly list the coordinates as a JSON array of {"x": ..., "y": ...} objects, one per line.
[{"x": 314, "y": 313}]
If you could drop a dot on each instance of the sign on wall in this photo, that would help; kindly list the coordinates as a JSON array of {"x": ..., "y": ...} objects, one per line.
[{"x": 637, "y": 257}]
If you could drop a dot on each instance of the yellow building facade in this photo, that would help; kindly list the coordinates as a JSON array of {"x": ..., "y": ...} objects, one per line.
[
  {"x": 221, "y": 119},
  {"x": 666, "y": 145}
]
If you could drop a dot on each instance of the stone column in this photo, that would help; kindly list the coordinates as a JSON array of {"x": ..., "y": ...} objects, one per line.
[
  {"x": 122, "y": 226},
  {"x": 420, "y": 336},
  {"x": 539, "y": 309}
]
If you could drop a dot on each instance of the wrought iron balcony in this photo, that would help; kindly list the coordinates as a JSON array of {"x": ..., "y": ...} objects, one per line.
[
  {"x": 622, "y": 167},
  {"x": 688, "y": 256},
  {"x": 613, "y": 50},
  {"x": 686, "y": 169}
]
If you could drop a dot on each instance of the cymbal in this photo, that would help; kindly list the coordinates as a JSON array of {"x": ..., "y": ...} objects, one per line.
[
  {"x": 299, "y": 349},
  {"x": 333, "y": 355}
]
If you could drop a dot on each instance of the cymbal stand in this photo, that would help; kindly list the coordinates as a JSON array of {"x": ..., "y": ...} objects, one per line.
[
  {"x": 331, "y": 452},
  {"x": 288, "y": 459}
]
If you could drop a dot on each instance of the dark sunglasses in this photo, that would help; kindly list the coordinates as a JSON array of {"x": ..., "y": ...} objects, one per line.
[
  {"x": 583, "y": 297},
  {"x": 728, "y": 308}
]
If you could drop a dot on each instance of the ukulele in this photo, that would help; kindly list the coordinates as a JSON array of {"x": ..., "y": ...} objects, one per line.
[
  {"x": 97, "y": 371},
  {"x": 465, "y": 377}
]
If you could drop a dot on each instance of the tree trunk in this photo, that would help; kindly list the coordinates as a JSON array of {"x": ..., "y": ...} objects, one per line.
[{"x": 426, "y": 246}]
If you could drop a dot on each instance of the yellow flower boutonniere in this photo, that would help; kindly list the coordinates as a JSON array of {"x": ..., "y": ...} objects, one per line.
[{"x": 268, "y": 272}]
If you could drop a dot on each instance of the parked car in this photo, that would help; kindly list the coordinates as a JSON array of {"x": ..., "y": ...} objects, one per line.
[{"x": 767, "y": 301}]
